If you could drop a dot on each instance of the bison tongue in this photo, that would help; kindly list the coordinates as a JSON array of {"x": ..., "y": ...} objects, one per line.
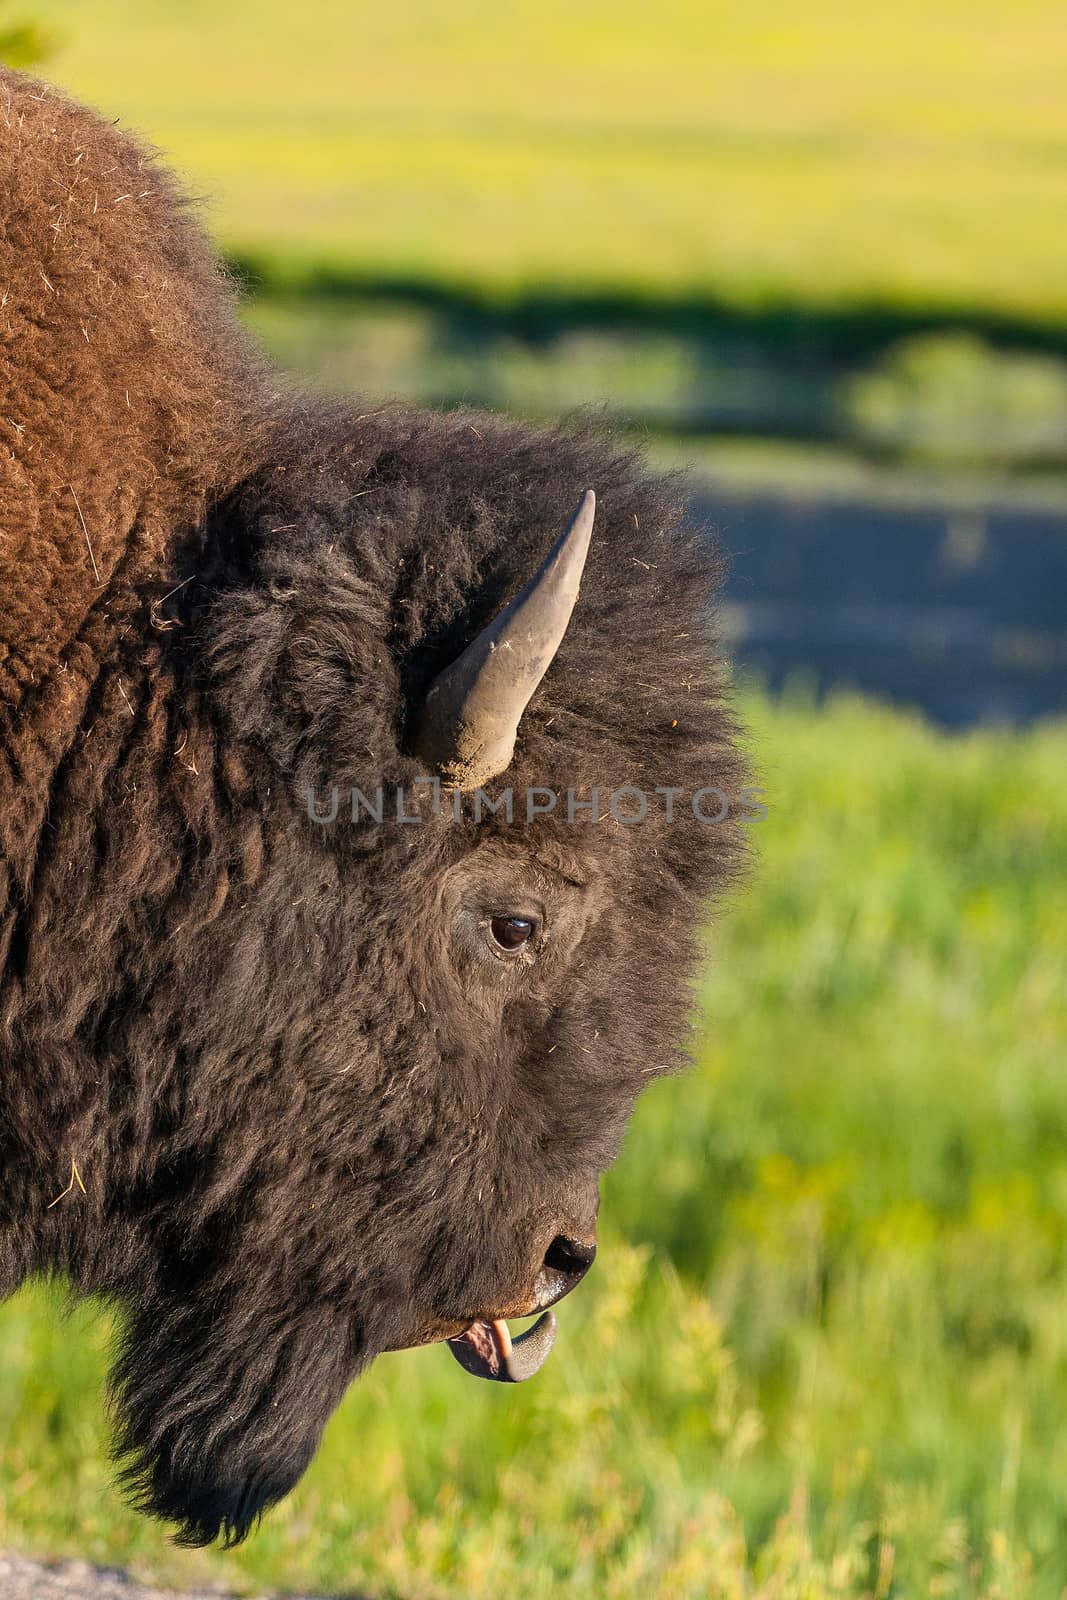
[{"x": 488, "y": 1350}]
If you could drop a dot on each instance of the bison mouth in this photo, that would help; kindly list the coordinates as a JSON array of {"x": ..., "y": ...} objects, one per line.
[{"x": 487, "y": 1349}]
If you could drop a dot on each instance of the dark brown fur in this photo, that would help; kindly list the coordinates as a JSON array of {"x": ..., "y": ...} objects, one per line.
[{"x": 315, "y": 1117}]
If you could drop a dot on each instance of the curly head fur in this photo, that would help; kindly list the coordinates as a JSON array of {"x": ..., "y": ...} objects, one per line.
[{"x": 319, "y": 1111}]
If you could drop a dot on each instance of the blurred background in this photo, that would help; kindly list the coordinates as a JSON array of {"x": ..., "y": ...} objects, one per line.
[{"x": 815, "y": 255}]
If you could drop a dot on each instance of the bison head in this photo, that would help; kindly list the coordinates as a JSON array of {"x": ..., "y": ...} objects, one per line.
[{"x": 368, "y": 903}]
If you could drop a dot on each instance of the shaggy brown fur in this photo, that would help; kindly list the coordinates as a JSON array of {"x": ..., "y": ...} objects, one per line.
[{"x": 316, "y": 1117}]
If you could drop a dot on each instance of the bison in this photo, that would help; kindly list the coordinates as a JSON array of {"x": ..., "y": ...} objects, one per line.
[{"x": 352, "y": 863}]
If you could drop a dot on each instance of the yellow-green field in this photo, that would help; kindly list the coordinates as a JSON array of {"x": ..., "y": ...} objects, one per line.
[
  {"x": 820, "y": 154},
  {"x": 823, "y": 1355}
]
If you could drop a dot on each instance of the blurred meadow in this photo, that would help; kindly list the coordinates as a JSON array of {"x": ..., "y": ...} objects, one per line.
[
  {"x": 815, "y": 254},
  {"x": 815, "y": 223},
  {"x": 758, "y": 154}
]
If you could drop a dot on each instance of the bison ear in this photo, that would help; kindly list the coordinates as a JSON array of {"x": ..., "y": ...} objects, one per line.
[{"x": 471, "y": 715}]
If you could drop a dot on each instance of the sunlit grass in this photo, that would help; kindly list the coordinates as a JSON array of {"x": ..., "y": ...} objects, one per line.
[
  {"x": 905, "y": 153},
  {"x": 824, "y": 1352}
]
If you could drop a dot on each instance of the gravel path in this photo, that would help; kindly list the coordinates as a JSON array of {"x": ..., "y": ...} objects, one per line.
[{"x": 21, "y": 1579}]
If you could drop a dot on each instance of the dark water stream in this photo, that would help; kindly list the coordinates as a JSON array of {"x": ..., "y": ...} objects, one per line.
[{"x": 959, "y": 611}]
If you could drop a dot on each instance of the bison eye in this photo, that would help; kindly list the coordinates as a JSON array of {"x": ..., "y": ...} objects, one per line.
[{"x": 511, "y": 933}]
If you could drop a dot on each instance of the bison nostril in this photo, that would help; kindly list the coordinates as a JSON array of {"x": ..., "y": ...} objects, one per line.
[{"x": 570, "y": 1257}]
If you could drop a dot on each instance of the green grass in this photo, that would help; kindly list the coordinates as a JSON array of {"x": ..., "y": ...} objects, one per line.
[
  {"x": 906, "y": 154},
  {"x": 950, "y": 402},
  {"x": 824, "y": 1352}
]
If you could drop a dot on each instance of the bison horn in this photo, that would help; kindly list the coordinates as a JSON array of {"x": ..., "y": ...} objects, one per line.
[{"x": 471, "y": 714}]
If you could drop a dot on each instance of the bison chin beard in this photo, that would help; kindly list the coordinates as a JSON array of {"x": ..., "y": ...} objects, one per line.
[{"x": 218, "y": 1417}]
